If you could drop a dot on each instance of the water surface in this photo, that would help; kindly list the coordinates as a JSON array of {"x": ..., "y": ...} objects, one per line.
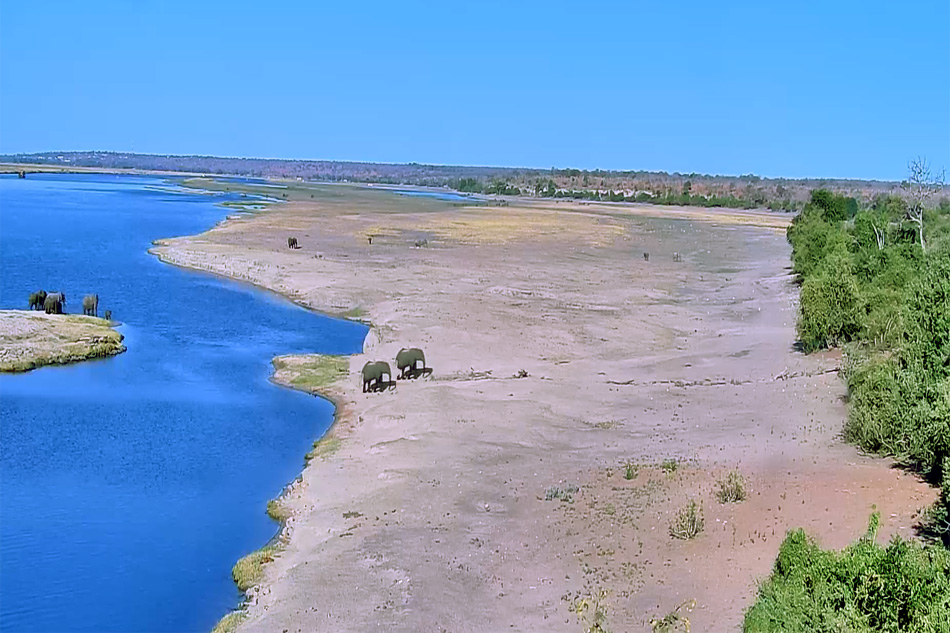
[{"x": 129, "y": 486}]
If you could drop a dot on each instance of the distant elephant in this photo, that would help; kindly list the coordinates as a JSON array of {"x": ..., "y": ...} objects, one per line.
[
  {"x": 108, "y": 315},
  {"x": 406, "y": 360},
  {"x": 54, "y": 303},
  {"x": 292, "y": 242},
  {"x": 37, "y": 300},
  {"x": 90, "y": 305},
  {"x": 646, "y": 257},
  {"x": 374, "y": 371}
]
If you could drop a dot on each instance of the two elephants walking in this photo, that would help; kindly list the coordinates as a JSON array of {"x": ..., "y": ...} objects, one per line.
[
  {"x": 51, "y": 303},
  {"x": 407, "y": 362}
]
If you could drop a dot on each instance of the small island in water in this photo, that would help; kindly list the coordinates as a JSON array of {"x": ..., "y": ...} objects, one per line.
[{"x": 30, "y": 339}]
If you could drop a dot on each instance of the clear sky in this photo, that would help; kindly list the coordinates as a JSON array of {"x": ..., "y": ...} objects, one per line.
[{"x": 809, "y": 88}]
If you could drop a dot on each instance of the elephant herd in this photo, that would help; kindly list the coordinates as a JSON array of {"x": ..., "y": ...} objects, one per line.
[
  {"x": 407, "y": 362},
  {"x": 55, "y": 302}
]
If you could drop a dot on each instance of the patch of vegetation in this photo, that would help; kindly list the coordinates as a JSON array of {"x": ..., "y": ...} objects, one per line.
[
  {"x": 323, "y": 448},
  {"x": 354, "y": 314},
  {"x": 731, "y": 488},
  {"x": 278, "y": 510},
  {"x": 876, "y": 280},
  {"x": 670, "y": 466},
  {"x": 591, "y": 610},
  {"x": 688, "y": 522},
  {"x": 674, "y": 620},
  {"x": 230, "y": 622},
  {"x": 865, "y": 588},
  {"x": 248, "y": 571},
  {"x": 564, "y": 494},
  {"x": 630, "y": 470},
  {"x": 313, "y": 373}
]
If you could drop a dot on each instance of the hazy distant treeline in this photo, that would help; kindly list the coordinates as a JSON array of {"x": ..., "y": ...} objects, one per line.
[{"x": 607, "y": 185}]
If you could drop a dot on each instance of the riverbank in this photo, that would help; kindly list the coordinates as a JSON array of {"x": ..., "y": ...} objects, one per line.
[
  {"x": 561, "y": 352},
  {"x": 31, "y": 339}
]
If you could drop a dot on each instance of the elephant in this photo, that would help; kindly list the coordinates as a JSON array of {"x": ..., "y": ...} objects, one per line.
[
  {"x": 406, "y": 360},
  {"x": 90, "y": 305},
  {"x": 374, "y": 371},
  {"x": 292, "y": 242},
  {"x": 54, "y": 303},
  {"x": 37, "y": 299},
  {"x": 646, "y": 257},
  {"x": 108, "y": 315}
]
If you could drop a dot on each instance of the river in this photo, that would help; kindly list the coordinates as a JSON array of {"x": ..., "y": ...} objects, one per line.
[{"x": 130, "y": 486}]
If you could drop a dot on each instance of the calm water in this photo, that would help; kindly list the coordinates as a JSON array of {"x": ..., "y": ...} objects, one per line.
[{"x": 130, "y": 486}]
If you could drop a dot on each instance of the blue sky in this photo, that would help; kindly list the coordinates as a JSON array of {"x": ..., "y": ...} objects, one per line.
[{"x": 828, "y": 89}]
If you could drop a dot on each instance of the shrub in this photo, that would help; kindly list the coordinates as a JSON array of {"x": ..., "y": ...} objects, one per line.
[
  {"x": 829, "y": 305},
  {"x": 731, "y": 488},
  {"x": 564, "y": 494},
  {"x": 688, "y": 522},
  {"x": 670, "y": 466},
  {"x": 866, "y": 587}
]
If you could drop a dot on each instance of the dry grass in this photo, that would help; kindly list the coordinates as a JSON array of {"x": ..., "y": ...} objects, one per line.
[
  {"x": 230, "y": 622},
  {"x": 248, "y": 571},
  {"x": 34, "y": 339},
  {"x": 688, "y": 522},
  {"x": 731, "y": 488}
]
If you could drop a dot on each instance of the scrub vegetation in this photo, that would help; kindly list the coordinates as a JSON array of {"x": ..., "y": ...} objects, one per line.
[
  {"x": 865, "y": 588},
  {"x": 876, "y": 280}
]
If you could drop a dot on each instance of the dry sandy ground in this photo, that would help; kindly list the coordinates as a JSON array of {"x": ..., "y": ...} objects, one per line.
[
  {"x": 431, "y": 514},
  {"x": 33, "y": 339}
]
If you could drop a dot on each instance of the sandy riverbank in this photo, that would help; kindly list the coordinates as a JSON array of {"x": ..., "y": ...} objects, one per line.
[
  {"x": 431, "y": 511},
  {"x": 33, "y": 339}
]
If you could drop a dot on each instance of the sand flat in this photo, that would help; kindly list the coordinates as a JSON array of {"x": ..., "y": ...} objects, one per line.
[{"x": 432, "y": 511}]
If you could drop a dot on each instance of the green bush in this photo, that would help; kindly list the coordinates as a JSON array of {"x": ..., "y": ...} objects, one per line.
[
  {"x": 865, "y": 588},
  {"x": 829, "y": 304}
]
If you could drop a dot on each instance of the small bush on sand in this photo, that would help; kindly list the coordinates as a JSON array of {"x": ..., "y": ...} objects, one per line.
[
  {"x": 675, "y": 620},
  {"x": 630, "y": 470},
  {"x": 688, "y": 522},
  {"x": 670, "y": 466},
  {"x": 591, "y": 610},
  {"x": 564, "y": 494},
  {"x": 731, "y": 488}
]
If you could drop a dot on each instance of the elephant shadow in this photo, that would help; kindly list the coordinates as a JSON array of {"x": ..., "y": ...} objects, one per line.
[{"x": 414, "y": 373}]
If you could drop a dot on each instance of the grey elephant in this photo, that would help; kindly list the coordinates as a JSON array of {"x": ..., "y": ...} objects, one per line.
[
  {"x": 292, "y": 242},
  {"x": 54, "y": 303},
  {"x": 374, "y": 372},
  {"x": 108, "y": 315},
  {"x": 406, "y": 360},
  {"x": 37, "y": 300},
  {"x": 90, "y": 305}
]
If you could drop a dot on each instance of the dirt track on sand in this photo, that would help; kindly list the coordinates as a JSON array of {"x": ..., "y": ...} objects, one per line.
[{"x": 431, "y": 514}]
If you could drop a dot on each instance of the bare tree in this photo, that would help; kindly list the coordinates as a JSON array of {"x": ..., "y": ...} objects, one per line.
[{"x": 921, "y": 185}]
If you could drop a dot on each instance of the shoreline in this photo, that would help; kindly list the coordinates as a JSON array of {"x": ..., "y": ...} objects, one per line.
[
  {"x": 361, "y": 477},
  {"x": 230, "y": 620},
  {"x": 32, "y": 339}
]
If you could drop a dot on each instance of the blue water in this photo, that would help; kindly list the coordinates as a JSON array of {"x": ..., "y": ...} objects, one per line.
[{"x": 130, "y": 486}]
